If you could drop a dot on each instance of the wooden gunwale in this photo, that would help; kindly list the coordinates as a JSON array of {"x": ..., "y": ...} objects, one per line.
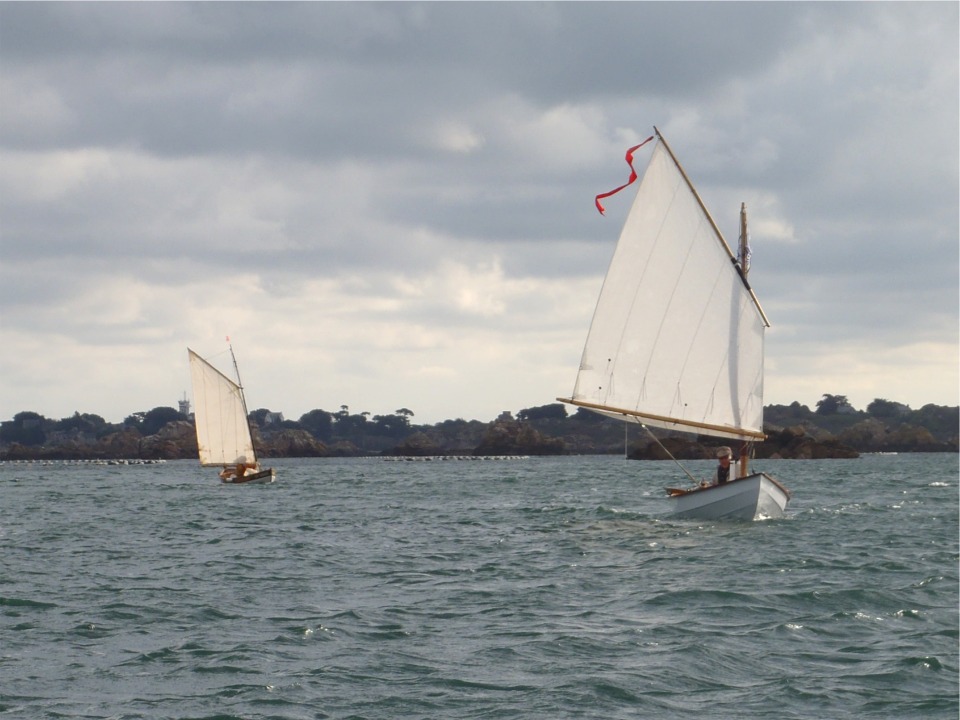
[{"x": 676, "y": 492}]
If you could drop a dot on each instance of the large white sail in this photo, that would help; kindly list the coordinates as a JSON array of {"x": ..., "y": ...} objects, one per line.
[
  {"x": 677, "y": 335},
  {"x": 220, "y": 414}
]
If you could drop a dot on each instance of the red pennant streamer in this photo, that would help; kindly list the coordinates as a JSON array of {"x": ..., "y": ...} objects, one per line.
[{"x": 633, "y": 175}]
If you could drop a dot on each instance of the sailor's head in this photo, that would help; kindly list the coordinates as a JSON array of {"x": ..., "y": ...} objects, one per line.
[{"x": 724, "y": 453}]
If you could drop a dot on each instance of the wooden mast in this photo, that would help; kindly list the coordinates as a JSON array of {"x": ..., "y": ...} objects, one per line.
[
  {"x": 243, "y": 402},
  {"x": 743, "y": 249},
  {"x": 744, "y": 265}
]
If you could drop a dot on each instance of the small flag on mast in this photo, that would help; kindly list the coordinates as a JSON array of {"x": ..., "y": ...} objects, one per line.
[{"x": 633, "y": 175}]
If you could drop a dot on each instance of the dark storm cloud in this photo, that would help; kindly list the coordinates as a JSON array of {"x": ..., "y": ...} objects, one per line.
[{"x": 339, "y": 79}]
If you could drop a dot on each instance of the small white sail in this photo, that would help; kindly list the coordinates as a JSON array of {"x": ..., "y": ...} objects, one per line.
[
  {"x": 676, "y": 339},
  {"x": 220, "y": 414}
]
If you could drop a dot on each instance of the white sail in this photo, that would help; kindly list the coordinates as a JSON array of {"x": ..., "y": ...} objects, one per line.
[
  {"x": 220, "y": 414},
  {"x": 677, "y": 335}
]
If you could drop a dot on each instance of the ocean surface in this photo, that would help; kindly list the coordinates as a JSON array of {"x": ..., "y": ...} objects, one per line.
[{"x": 533, "y": 588}]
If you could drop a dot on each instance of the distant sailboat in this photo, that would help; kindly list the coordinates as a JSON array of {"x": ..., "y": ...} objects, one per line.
[
  {"x": 676, "y": 340},
  {"x": 223, "y": 431}
]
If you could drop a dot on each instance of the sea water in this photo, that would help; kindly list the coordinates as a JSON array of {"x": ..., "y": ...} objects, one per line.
[{"x": 534, "y": 588}]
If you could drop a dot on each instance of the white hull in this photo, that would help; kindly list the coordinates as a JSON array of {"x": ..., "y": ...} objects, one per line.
[{"x": 753, "y": 497}]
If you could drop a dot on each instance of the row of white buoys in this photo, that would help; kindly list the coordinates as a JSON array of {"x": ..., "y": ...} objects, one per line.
[
  {"x": 446, "y": 458},
  {"x": 158, "y": 461}
]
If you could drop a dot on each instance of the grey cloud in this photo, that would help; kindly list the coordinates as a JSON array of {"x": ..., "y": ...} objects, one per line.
[
  {"x": 298, "y": 141},
  {"x": 335, "y": 79}
]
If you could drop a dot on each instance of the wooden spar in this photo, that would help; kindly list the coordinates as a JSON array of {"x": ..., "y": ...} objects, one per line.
[
  {"x": 703, "y": 207},
  {"x": 744, "y": 269},
  {"x": 692, "y": 425},
  {"x": 744, "y": 266},
  {"x": 236, "y": 371},
  {"x": 243, "y": 402},
  {"x": 713, "y": 223}
]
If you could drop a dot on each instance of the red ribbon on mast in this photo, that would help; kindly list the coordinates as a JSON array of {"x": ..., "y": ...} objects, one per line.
[{"x": 633, "y": 175}]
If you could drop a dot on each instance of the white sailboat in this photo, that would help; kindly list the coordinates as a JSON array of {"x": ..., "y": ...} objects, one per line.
[
  {"x": 676, "y": 340},
  {"x": 223, "y": 431}
]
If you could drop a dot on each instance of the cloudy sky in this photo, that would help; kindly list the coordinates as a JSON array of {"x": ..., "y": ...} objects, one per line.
[{"x": 390, "y": 206}]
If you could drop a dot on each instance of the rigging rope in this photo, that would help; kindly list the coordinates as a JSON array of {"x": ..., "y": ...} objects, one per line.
[{"x": 669, "y": 454}]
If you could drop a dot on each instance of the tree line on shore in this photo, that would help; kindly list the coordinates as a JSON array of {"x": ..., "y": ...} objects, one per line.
[{"x": 833, "y": 429}]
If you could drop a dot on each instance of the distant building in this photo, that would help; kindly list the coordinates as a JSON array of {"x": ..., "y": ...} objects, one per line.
[{"x": 184, "y": 406}]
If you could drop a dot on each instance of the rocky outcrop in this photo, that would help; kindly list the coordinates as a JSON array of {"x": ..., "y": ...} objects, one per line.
[
  {"x": 417, "y": 445},
  {"x": 874, "y": 436},
  {"x": 794, "y": 443},
  {"x": 345, "y": 449},
  {"x": 175, "y": 440},
  {"x": 292, "y": 443},
  {"x": 512, "y": 437},
  {"x": 679, "y": 447},
  {"x": 122, "y": 444}
]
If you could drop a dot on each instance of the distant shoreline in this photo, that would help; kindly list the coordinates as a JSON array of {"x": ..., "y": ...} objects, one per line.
[{"x": 834, "y": 430}]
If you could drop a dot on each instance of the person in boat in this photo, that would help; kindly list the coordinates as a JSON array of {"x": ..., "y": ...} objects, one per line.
[
  {"x": 235, "y": 474},
  {"x": 724, "y": 460}
]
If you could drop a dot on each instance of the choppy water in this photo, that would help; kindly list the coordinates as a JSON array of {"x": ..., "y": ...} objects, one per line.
[{"x": 534, "y": 589}]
